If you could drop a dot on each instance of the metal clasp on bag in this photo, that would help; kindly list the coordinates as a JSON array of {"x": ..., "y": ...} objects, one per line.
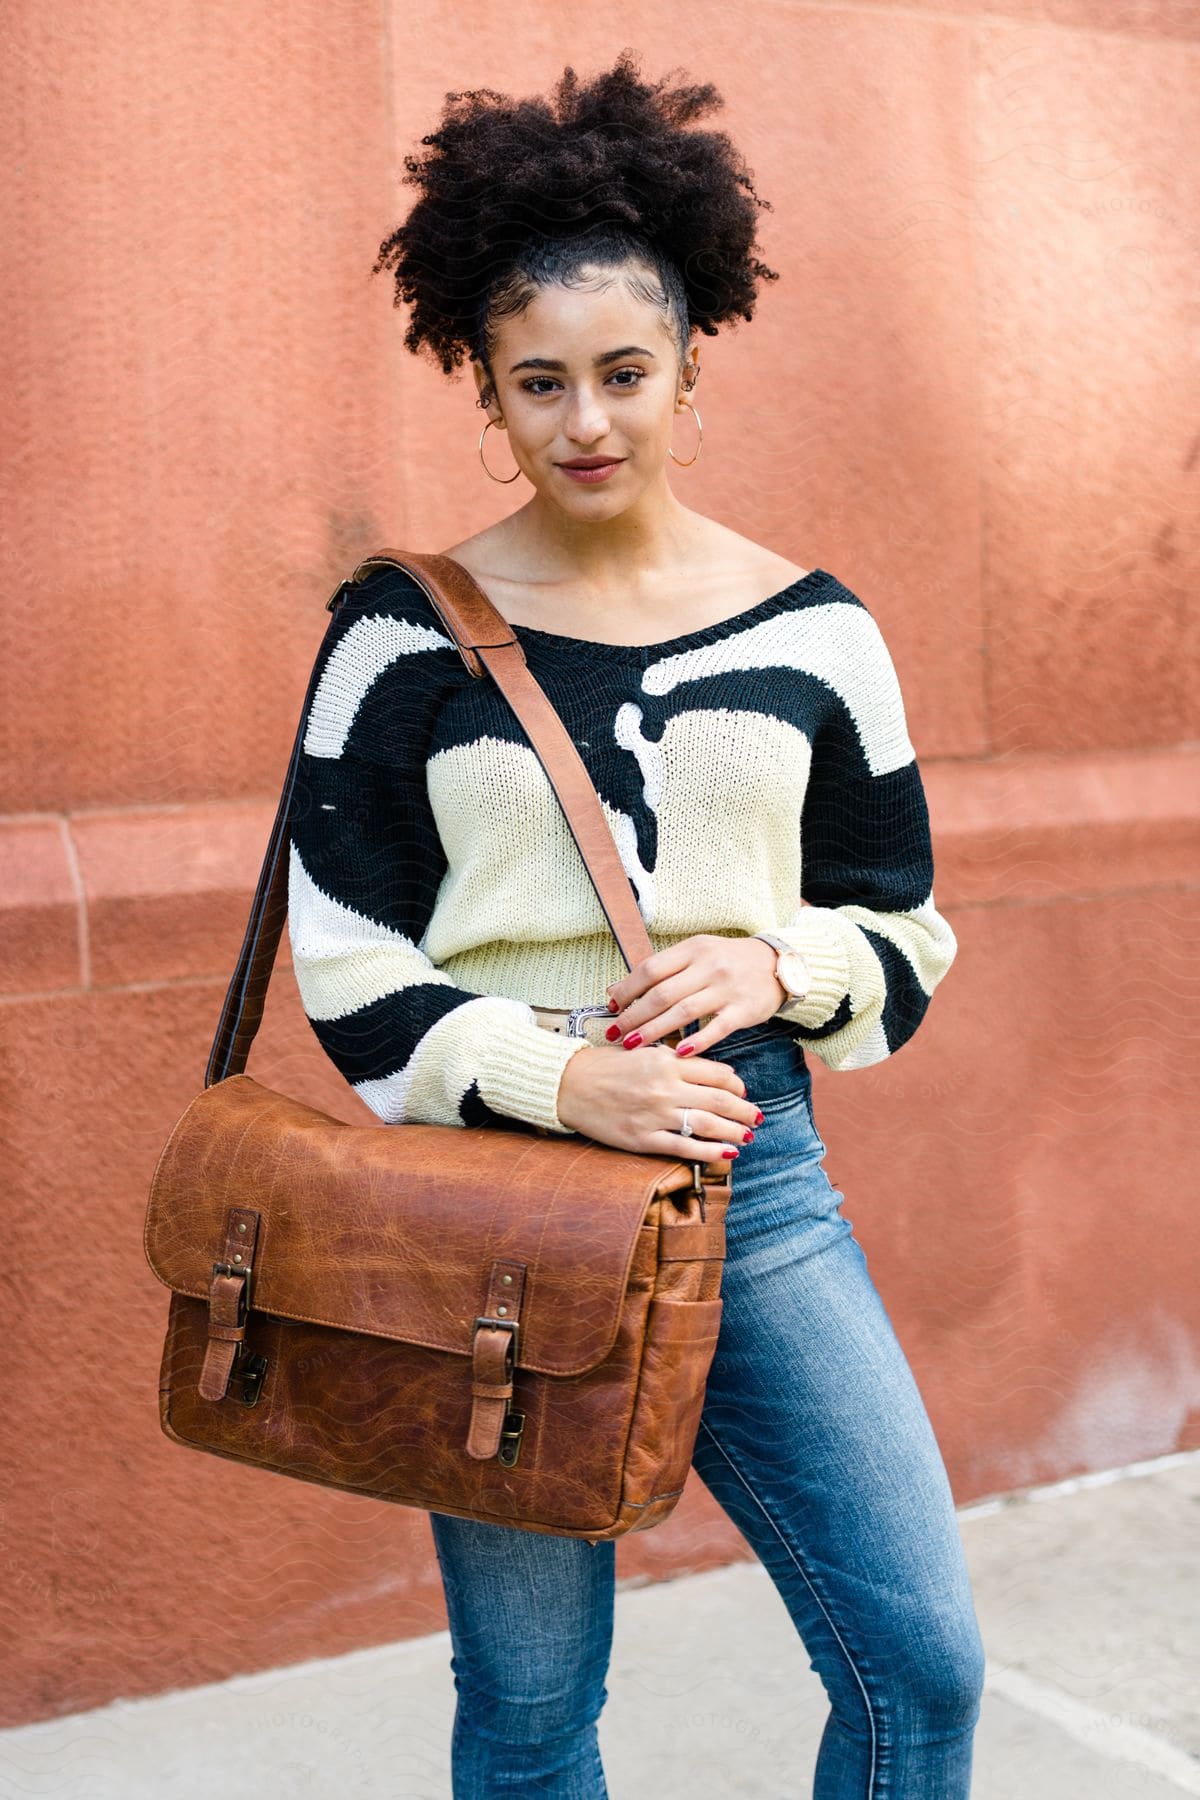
[
  {"x": 510, "y": 1439},
  {"x": 250, "y": 1369}
]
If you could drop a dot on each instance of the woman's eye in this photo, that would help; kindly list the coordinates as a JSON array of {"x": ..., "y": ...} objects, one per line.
[{"x": 537, "y": 384}]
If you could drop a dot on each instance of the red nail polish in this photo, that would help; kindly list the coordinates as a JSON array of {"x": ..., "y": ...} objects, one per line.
[
  {"x": 613, "y": 1033},
  {"x": 614, "y": 1006},
  {"x": 748, "y": 1138},
  {"x": 759, "y": 1118},
  {"x": 730, "y": 1153},
  {"x": 684, "y": 1049},
  {"x": 633, "y": 1040}
]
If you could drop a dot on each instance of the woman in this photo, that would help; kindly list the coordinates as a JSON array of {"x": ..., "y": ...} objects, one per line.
[{"x": 742, "y": 722}]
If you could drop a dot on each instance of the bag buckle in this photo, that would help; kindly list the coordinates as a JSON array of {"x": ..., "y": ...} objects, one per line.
[
  {"x": 512, "y": 1325},
  {"x": 227, "y": 1316},
  {"x": 225, "y": 1268}
]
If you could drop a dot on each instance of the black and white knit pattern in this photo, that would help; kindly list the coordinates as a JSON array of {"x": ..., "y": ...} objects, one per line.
[{"x": 435, "y": 890}]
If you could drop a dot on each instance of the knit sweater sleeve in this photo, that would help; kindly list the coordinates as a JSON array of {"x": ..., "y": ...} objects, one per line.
[
  {"x": 873, "y": 939},
  {"x": 365, "y": 865}
]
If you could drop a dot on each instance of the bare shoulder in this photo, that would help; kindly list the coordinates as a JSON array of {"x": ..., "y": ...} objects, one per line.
[
  {"x": 477, "y": 551},
  {"x": 748, "y": 565},
  {"x": 485, "y": 556}
]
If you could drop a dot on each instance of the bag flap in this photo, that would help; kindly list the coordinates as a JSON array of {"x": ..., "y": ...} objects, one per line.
[{"x": 392, "y": 1230}]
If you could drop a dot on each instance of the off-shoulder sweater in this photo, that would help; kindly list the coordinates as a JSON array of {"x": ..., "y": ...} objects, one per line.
[{"x": 436, "y": 894}]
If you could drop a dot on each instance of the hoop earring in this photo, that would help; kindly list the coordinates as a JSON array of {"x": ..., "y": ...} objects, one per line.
[
  {"x": 700, "y": 440},
  {"x": 502, "y": 479}
]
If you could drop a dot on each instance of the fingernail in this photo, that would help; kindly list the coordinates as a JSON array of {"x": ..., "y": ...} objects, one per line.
[
  {"x": 614, "y": 1006},
  {"x": 613, "y": 1033},
  {"x": 731, "y": 1153},
  {"x": 633, "y": 1040},
  {"x": 748, "y": 1138},
  {"x": 684, "y": 1049},
  {"x": 759, "y": 1118}
]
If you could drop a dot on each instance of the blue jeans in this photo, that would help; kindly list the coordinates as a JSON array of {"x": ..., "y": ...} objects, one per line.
[{"x": 815, "y": 1441}]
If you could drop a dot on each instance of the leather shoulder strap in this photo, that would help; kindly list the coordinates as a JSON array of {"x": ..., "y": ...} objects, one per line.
[{"x": 488, "y": 646}]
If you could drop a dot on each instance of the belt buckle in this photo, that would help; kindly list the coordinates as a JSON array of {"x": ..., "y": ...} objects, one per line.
[{"x": 578, "y": 1014}]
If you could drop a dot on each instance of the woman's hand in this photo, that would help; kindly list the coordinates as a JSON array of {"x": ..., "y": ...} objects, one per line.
[
  {"x": 636, "y": 1102},
  {"x": 733, "y": 979}
]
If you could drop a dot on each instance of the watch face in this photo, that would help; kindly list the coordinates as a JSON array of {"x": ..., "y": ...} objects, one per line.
[{"x": 793, "y": 972}]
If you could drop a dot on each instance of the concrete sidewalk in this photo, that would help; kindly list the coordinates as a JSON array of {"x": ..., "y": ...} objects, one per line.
[{"x": 1088, "y": 1595}]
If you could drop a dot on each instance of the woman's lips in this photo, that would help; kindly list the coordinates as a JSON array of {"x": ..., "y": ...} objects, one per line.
[{"x": 591, "y": 476}]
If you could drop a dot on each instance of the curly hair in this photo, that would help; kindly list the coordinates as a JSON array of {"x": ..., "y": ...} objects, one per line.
[{"x": 516, "y": 194}]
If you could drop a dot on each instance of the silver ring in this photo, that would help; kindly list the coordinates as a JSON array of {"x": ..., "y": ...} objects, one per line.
[{"x": 686, "y": 1130}]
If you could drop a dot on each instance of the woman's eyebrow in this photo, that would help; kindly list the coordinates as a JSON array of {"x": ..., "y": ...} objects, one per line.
[{"x": 546, "y": 362}]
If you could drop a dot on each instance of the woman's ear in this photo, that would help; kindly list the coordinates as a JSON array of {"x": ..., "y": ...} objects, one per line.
[{"x": 484, "y": 387}]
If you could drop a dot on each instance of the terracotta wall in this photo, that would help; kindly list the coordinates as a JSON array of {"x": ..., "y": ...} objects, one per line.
[{"x": 970, "y": 395}]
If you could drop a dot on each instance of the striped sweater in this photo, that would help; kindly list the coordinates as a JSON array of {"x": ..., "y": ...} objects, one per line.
[{"x": 435, "y": 890}]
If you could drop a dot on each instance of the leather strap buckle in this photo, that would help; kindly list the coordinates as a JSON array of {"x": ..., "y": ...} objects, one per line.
[
  {"x": 229, "y": 1302},
  {"x": 513, "y": 1325},
  {"x": 243, "y": 1305},
  {"x": 494, "y": 1361}
]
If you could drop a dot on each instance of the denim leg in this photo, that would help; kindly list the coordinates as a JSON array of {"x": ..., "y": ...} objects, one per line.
[
  {"x": 531, "y": 1620},
  {"x": 815, "y": 1440}
]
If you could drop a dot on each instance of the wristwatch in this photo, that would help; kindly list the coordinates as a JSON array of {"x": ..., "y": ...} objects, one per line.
[{"x": 791, "y": 970}]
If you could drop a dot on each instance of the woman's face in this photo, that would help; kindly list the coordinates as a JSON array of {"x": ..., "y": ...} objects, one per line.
[{"x": 583, "y": 374}]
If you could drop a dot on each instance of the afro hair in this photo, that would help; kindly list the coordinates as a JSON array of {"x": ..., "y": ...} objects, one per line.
[{"x": 515, "y": 194}]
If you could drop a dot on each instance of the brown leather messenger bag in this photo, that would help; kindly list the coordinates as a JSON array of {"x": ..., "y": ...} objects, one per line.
[{"x": 505, "y": 1325}]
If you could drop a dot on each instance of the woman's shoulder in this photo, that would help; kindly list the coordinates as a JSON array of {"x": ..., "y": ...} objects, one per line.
[
  {"x": 483, "y": 557},
  {"x": 747, "y": 564},
  {"x": 387, "y": 615},
  {"x": 388, "y": 629},
  {"x": 381, "y": 585}
]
